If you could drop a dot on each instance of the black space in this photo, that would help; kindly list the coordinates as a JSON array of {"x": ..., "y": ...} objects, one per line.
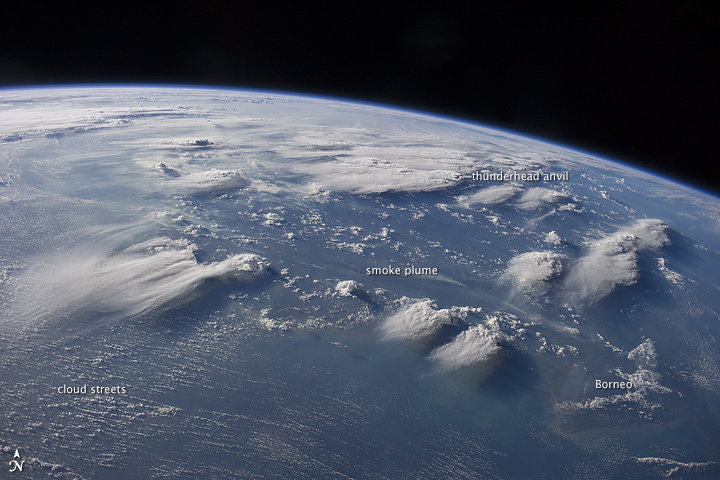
[{"x": 633, "y": 82}]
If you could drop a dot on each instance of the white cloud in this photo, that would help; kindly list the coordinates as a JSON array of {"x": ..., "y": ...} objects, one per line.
[
  {"x": 537, "y": 197},
  {"x": 418, "y": 319},
  {"x": 380, "y": 157},
  {"x": 348, "y": 288},
  {"x": 612, "y": 261},
  {"x": 217, "y": 181},
  {"x": 534, "y": 267},
  {"x": 670, "y": 275},
  {"x": 645, "y": 391},
  {"x": 493, "y": 195},
  {"x": 669, "y": 468},
  {"x": 372, "y": 175},
  {"x": 644, "y": 354},
  {"x": 113, "y": 284},
  {"x": 273, "y": 219},
  {"x": 475, "y": 345},
  {"x": 553, "y": 238},
  {"x": 529, "y": 199}
]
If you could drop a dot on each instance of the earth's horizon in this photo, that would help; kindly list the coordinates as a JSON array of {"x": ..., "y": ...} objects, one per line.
[{"x": 217, "y": 282}]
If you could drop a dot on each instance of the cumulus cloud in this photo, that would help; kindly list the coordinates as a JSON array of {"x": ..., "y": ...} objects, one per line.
[
  {"x": 612, "y": 261},
  {"x": 669, "y": 468},
  {"x": 273, "y": 219},
  {"x": 137, "y": 279},
  {"x": 372, "y": 175},
  {"x": 529, "y": 199},
  {"x": 493, "y": 195},
  {"x": 554, "y": 238},
  {"x": 165, "y": 169},
  {"x": 418, "y": 319},
  {"x": 644, "y": 354},
  {"x": 537, "y": 197},
  {"x": 534, "y": 267},
  {"x": 475, "y": 345},
  {"x": 348, "y": 288},
  {"x": 647, "y": 387},
  {"x": 212, "y": 181},
  {"x": 393, "y": 158}
]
